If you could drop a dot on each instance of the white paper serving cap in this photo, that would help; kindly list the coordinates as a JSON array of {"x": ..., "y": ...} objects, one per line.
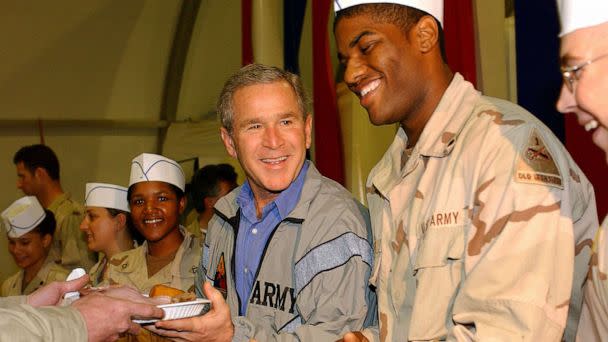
[
  {"x": 106, "y": 196},
  {"x": 432, "y": 7},
  {"x": 577, "y": 14},
  {"x": 153, "y": 167},
  {"x": 22, "y": 216}
]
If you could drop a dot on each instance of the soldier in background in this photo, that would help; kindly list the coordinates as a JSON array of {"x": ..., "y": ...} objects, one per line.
[
  {"x": 584, "y": 58},
  {"x": 107, "y": 225},
  {"x": 30, "y": 231},
  {"x": 38, "y": 175},
  {"x": 209, "y": 184}
]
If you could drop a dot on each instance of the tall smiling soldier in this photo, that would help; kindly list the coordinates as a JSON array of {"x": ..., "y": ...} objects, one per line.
[{"x": 476, "y": 206}]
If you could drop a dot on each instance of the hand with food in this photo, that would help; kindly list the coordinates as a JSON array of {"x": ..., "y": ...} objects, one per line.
[{"x": 215, "y": 325}]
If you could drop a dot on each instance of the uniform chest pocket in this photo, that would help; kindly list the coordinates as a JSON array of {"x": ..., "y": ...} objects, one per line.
[
  {"x": 438, "y": 271},
  {"x": 440, "y": 246}
]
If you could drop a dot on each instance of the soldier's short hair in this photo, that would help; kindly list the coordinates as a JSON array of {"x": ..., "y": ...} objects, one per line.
[
  {"x": 38, "y": 155},
  {"x": 401, "y": 16},
  {"x": 254, "y": 74},
  {"x": 206, "y": 183}
]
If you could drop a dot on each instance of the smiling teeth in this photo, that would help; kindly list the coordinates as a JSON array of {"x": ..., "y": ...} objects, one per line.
[
  {"x": 370, "y": 87},
  {"x": 591, "y": 125},
  {"x": 152, "y": 221},
  {"x": 274, "y": 160}
]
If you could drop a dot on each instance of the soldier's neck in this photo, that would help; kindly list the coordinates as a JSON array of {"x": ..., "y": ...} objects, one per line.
[
  {"x": 49, "y": 194},
  {"x": 167, "y": 245}
]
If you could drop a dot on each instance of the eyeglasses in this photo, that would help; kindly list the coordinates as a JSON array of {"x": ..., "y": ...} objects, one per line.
[{"x": 571, "y": 74}]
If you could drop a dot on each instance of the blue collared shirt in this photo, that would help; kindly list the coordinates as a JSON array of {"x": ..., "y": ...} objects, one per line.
[{"x": 254, "y": 233}]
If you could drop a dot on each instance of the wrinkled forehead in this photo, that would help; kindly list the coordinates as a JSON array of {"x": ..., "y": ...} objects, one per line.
[{"x": 584, "y": 44}]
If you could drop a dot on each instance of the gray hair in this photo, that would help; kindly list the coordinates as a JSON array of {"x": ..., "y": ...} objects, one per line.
[{"x": 254, "y": 74}]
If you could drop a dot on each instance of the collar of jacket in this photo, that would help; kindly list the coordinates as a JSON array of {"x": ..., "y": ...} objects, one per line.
[
  {"x": 437, "y": 139},
  {"x": 228, "y": 209}
]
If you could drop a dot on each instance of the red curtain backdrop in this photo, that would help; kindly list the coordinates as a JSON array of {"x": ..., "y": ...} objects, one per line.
[
  {"x": 459, "y": 28},
  {"x": 590, "y": 158},
  {"x": 329, "y": 157},
  {"x": 246, "y": 44}
]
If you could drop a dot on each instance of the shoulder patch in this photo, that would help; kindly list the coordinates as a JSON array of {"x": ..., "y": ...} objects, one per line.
[
  {"x": 219, "y": 280},
  {"x": 535, "y": 165}
]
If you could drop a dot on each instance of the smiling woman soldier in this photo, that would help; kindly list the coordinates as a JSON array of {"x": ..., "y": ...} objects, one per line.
[
  {"x": 30, "y": 237},
  {"x": 170, "y": 254}
]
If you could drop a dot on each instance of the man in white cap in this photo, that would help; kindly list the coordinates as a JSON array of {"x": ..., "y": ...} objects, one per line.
[
  {"x": 30, "y": 231},
  {"x": 476, "y": 206},
  {"x": 289, "y": 247},
  {"x": 38, "y": 175},
  {"x": 170, "y": 254},
  {"x": 584, "y": 58}
]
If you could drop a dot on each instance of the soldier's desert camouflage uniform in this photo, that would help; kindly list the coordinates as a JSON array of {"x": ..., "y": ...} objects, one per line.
[
  {"x": 96, "y": 273},
  {"x": 69, "y": 245},
  {"x": 594, "y": 317},
  {"x": 195, "y": 229},
  {"x": 475, "y": 229},
  {"x": 130, "y": 268},
  {"x": 49, "y": 273}
]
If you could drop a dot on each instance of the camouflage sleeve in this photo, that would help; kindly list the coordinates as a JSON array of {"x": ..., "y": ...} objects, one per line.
[
  {"x": 594, "y": 317},
  {"x": 528, "y": 208},
  {"x": 25, "y": 323},
  {"x": 75, "y": 252}
]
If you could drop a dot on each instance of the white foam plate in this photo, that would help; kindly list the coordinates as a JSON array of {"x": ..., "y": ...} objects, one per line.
[{"x": 192, "y": 308}]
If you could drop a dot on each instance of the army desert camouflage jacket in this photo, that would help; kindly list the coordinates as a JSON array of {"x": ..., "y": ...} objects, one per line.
[{"x": 482, "y": 231}]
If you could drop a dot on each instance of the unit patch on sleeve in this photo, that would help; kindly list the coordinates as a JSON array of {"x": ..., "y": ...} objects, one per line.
[
  {"x": 219, "y": 281},
  {"x": 535, "y": 165}
]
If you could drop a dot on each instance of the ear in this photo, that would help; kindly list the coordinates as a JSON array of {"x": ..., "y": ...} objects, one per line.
[
  {"x": 46, "y": 240},
  {"x": 308, "y": 130},
  {"x": 121, "y": 219},
  {"x": 182, "y": 205},
  {"x": 228, "y": 142},
  {"x": 39, "y": 173},
  {"x": 427, "y": 33}
]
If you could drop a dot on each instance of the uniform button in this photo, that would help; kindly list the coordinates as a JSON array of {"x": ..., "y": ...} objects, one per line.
[
  {"x": 254, "y": 231},
  {"x": 246, "y": 270}
]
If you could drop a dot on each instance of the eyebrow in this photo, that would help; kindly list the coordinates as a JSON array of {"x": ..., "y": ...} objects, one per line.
[
  {"x": 358, "y": 37},
  {"x": 156, "y": 193},
  {"x": 355, "y": 41},
  {"x": 569, "y": 59},
  {"x": 248, "y": 122}
]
